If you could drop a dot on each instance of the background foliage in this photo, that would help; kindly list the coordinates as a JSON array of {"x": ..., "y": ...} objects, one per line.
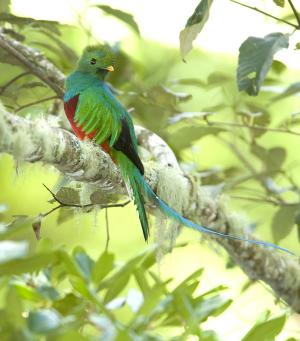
[{"x": 243, "y": 145}]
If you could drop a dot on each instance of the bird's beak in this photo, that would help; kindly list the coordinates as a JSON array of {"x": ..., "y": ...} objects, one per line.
[{"x": 109, "y": 68}]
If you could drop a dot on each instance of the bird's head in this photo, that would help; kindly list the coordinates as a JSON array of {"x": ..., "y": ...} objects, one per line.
[{"x": 96, "y": 60}]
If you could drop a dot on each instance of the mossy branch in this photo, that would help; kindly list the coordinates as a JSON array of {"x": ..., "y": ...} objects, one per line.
[
  {"x": 34, "y": 141},
  {"x": 37, "y": 140}
]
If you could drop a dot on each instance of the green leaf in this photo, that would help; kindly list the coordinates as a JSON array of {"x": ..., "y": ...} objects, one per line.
[
  {"x": 212, "y": 306},
  {"x": 65, "y": 51},
  {"x": 278, "y": 67},
  {"x": 272, "y": 158},
  {"x": 84, "y": 263},
  {"x": 291, "y": 90},
  {"x": 14, "y": 307},
  {"x": 127, "y": 18},
  {"x": 194, "y": 277},
  {"x": 266, "y": 331},
  {"x": 26, "y": 292},
  {"x": 65, "y": 214},
  {"x": 43, "y": 321},
  {"x": 276, "y": 158},
  {"x": 218, "y": 79},
  {"x": 103, "y": 267},
  {"x": 185, "y": 309},
  {"x": 142, "y": 282},
  {"x": 184, "y": 137},
  {"x": 28, "y": 264},
  {"x": 283, "y": 222},
  {"x": 255, "y": 59},
  {"x": 116, "y": 287},
  {"x": 152, "y": 300},
  {"x": 279, "y": 3},
  {"x": 193, "y": 26},
  {"x": 34, "y": 23},
  {"x": 70, "y": 304},
  {"x": 68, "y": 196},
  {"x": 48, "y": 292}
]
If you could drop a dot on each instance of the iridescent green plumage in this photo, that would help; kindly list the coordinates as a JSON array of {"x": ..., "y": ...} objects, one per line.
[
  {"x": 95, "y": 113},
  {"x": 100, "y": 115}
]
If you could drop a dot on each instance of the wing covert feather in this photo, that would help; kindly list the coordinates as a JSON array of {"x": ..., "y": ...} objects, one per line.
[{"x": 95, "y": 113}]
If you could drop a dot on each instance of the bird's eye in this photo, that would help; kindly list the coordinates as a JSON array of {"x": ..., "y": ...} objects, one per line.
[{"x": 93, "y": 61}]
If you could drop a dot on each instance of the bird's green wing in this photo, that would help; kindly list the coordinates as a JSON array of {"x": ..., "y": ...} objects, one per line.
[
  {"x": 97, "y": 112},
  {"x": 100, "y": 112}
]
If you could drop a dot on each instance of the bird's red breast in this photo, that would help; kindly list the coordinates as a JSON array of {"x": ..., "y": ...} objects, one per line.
[{"x": 70, "y": 110}]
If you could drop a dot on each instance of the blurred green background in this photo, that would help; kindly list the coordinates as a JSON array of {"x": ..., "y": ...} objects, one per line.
[{"x": 149, "y": 64}]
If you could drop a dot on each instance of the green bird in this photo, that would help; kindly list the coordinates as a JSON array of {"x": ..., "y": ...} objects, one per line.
[{"x": 95, "y": 113}]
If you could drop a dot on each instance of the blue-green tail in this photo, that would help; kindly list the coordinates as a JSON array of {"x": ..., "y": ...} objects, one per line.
[{"x": 141, "y": 186}]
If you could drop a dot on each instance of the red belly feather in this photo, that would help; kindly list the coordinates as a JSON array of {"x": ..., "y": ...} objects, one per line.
[{"x": 70, "y": 110}]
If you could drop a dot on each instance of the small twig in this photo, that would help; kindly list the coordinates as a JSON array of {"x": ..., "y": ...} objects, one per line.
[
  {"x": 35, "y": 102},
  {"x": 5, "y": 86},
  {"x": 266, "y": 200},
  {"x": 43, "y": 215},
  {"x": 107, "y": 229},
  {"x": 63, "y": 204},
  {"x": 266, "y": 14},
  {"x": 254, "y": 127},
  {"x": 36, "y": 225},
  {"x": 296, "y": 14},
  {"x": 35, "y": 62}
]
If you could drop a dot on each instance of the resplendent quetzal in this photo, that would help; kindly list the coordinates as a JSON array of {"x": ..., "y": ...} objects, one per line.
[{"x": 95, "y": 113}]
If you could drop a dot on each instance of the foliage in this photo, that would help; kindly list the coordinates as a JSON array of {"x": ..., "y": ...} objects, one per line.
[
  {"x": 227, "y": 139},
  {"x": 255, "y": 60},
  {"x": 193, "y": 26},
  {"x": 121, "y": 15},
  {"x": 61, "y": 295}
]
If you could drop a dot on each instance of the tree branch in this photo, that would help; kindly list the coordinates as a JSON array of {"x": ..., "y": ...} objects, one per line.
[
  {"x": 34, "y": 141},
  {"x": 296, "y": 14},
  {"x": 35, "y": 62},
  {"x": 37, "y": 141},
  {"x": 266, "y": 14}
]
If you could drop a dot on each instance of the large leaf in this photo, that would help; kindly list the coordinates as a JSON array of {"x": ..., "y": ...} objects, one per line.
[
  {"x": 255, "y": 59},
  {"x": 283, "y": 222},
  {"x": 121, "y": 15},
  {"x": 193, "y": 26},
  {"x": 266, "y": 331}
]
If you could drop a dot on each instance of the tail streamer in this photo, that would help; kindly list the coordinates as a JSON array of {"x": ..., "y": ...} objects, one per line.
[{"x": 147, "y": 190}]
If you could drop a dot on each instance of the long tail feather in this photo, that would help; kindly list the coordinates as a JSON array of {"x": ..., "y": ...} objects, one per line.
[
  {"x": 140, "y": 205},
  {"x": 131, "y": 176},
  {"x": 146, "y": 189}
]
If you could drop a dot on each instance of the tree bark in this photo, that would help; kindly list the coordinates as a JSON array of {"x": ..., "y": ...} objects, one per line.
[{"x": 34, "y": 141}]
